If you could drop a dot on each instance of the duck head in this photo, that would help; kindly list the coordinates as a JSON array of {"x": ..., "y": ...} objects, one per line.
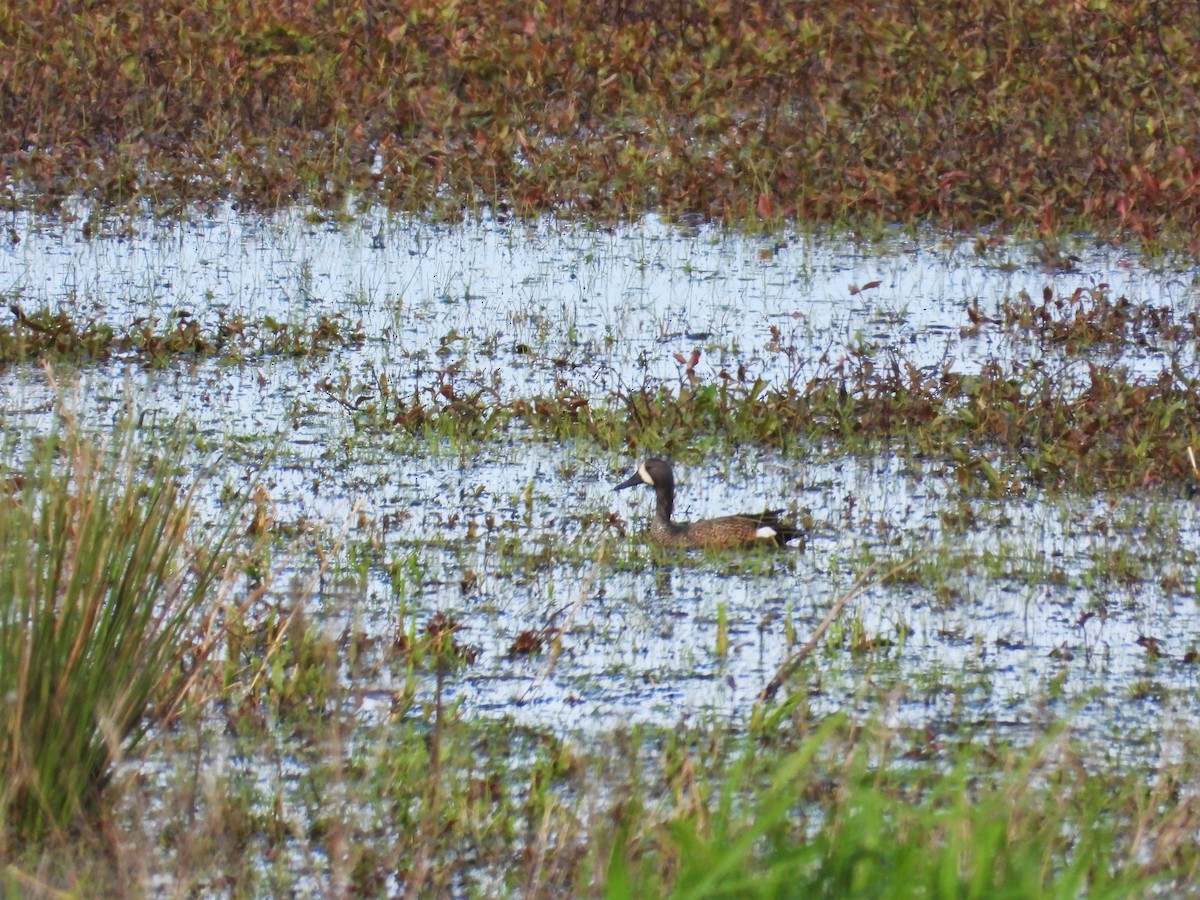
[{"x": 653, "y": 472}]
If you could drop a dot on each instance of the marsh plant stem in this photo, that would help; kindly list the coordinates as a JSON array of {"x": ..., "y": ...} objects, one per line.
[
  {"x": 864, "y": 583},
  {"x": 585, "y": 591}
]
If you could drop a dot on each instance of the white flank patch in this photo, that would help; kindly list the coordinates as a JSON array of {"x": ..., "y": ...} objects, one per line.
[
  {"x": 644, "y": 475},
  {"x": 766, "y": 531}
]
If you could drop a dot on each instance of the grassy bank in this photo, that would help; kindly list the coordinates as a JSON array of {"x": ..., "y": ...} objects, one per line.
[{"x": 310, "y": 799}]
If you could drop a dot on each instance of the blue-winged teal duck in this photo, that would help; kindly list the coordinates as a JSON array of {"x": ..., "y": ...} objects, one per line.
[{"x": 716, "y": 534}]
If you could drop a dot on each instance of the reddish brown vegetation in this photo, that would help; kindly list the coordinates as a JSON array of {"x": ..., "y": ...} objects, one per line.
[{"x": 960, "y": 111}]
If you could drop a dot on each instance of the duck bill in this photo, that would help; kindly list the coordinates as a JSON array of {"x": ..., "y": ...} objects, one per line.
[{"x": 633, "y": 480}]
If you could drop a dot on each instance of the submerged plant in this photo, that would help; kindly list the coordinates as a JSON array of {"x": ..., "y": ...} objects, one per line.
[{"x": 107, "y": 607}]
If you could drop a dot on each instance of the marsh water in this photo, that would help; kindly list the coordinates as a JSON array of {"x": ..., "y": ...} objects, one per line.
[{"x": 513, "y": 533}]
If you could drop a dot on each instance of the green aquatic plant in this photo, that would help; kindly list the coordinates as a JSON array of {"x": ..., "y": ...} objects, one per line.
[
  {"x": 842, "y": 815},
  {"x": 45, "y": 334}
]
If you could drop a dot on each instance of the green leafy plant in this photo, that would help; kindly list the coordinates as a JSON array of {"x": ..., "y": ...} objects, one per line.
[{"x": 834, "y": 818}]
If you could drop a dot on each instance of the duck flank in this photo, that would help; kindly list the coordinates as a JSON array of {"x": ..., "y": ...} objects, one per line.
[{"x": 724, "y": 532}]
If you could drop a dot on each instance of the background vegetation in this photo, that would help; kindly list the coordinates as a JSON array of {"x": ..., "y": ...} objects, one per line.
[{"x": 964, "y": 112}]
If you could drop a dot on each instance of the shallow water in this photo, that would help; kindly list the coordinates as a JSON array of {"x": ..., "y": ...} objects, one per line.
[
  {"x": 620, "y": 301},
  {"x": 1001, "y": 641}
]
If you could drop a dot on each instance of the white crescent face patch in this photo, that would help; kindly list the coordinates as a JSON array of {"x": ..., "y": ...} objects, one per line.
[{"x": 644, "y": 475}]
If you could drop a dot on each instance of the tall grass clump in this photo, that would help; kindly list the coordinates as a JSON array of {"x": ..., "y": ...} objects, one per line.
[{"x": 106, "y": 609}]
